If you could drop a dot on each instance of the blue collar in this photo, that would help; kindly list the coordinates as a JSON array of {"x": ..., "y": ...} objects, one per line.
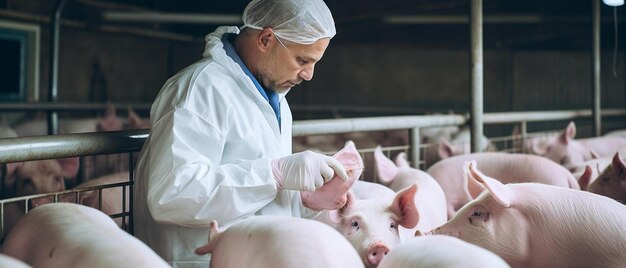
[{"x": 269, "y": 95}]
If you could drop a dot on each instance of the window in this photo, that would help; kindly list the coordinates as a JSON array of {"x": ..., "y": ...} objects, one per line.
[{"x": 19, "y": 62}]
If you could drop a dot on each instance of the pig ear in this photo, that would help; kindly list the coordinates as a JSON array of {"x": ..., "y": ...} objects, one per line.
[
  {"x": 401, "y": 160},
  {"x": 351, "y": 160},
  {"x": 499, "y": 192},
  {"x": 445, "y": 149},
  {"x": 214, "y": 234},
  {"x": 471, "y": 187},
  {"x": 618, "y": 165},
  {"x": 9, "y": 177},
  {"x": 404, "y": 206},
  {"x": 385, "y": 169},
  {"x": 69, "y": 166},
  {"x": 584, "y": 179},
  {"x": 536, "y": 148},
  {"x": 569, "y": 134},
  {"x": 335, "y": 215}
]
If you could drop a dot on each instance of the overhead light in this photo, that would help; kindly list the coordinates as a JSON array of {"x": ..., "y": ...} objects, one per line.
[
  {"x": 158, "y": 17},
  {"x": 613, "y": 3}
]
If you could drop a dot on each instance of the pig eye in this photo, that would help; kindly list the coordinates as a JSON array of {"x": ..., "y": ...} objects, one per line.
[
  {"x": 393, "y": 225},
  {"x": 355, "y": 224},
  {"x": 477, "y": 213}
]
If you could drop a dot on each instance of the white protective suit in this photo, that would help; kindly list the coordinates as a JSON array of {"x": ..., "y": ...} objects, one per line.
[{"x": 208, "y": 157}]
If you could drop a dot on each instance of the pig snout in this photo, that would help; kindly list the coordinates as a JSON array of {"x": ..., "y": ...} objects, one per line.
[{"x": 376, "y": 253}]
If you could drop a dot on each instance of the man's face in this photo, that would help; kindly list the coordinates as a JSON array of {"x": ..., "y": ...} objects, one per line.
[{"x": 286, "y": 66}]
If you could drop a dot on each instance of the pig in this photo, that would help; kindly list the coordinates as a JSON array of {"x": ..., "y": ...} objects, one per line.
[
  {"x": 278, "y": 242},
  {"x": 33, "y": 177},
  {"x": 612, "y": 181},
  {"x": 429, "y": 198},
  {"x": 569, "y": 152},
  {"x": 112, "y": 198},
  {"x": 460, "y": 144},
  {"x": 539, "y": 225},
  {"x": 531, "y": 141},
  {"x": 443, "y": 147},
  {"x": 332, "y": 195},
  {"x": 440, "y": 251},
  {"x": 504, "y": 166},
  {"x": 373, "y": 225},
  {"x": 8, "y": 261},
  {"x": 68, "y": 235},
  {"x": 590, "y": 170},
  {"x": 430, "y": 138},
  {"x": 38, "y": 177}
]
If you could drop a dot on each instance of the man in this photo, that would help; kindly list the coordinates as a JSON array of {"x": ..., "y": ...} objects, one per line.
[{"x": 220, "y": 143}]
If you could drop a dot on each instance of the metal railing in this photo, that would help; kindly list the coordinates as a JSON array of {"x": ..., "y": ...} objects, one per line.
[
  {"x": 85, "y": 144},
  {"x": 73, "y": 145}
]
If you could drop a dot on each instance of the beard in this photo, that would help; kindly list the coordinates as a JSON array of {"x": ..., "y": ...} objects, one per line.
[{"x": 264, "y": 77}]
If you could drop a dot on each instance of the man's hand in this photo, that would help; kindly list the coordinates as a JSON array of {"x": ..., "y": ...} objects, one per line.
[{"x": 306, "y": 171}]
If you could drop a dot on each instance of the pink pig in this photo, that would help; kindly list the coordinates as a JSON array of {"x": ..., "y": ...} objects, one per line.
[
  {"x": 372, "y": 219},
  {"x": 332, "y": 195},
  {"x": 506, "y": 167},
  {"x": 538, "y": 225},
  {"x": 41, "y": 176},
  {"x": 436, "y": 251},
  {"x": 570, "y": 152},
  {"x": 278, "y": 242},
  {"x": 429, "y": 199},
  {"x": 612, "y": 181},
  {"x": 68, "y": 235}
]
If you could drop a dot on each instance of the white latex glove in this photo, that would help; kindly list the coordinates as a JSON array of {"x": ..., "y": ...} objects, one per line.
[{"x": 306, "y": 171}]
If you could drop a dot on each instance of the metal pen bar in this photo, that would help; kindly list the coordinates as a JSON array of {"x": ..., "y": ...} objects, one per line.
[
  {"x": 68, "y": 106},
  {"x": 476, "y": 74},
  {"x": 332, "y": 126},
  {"x": 70, "y": 145},
  {"x": 55, "y": 25},
  {"x": 595, "y": 68}
]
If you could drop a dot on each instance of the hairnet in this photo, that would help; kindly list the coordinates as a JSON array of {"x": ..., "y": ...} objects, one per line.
[{"x": 299, "y": 21}]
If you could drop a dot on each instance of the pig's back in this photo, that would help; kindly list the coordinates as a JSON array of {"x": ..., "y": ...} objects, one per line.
[
  {"x": 506, "y": 168},
  {"x": 276, "y": 241},
  {"x": 440, "y": 251},
  {"x": 71, "y": 235},
  {"x": 587, "y": 228}
]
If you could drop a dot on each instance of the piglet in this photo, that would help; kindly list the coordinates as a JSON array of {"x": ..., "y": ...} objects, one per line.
[
  {"x": 538, "y": 225},
  {"x": 332, "y": 195},
  {"x": 430, "y": 200},
  {"x": 68, "y": 235},
  {"x": 440, "y": 251},
  {"x": 278, "y": 242},
  {"x": 506, "y": 167},
  {"x": 374, "y": 222}
]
